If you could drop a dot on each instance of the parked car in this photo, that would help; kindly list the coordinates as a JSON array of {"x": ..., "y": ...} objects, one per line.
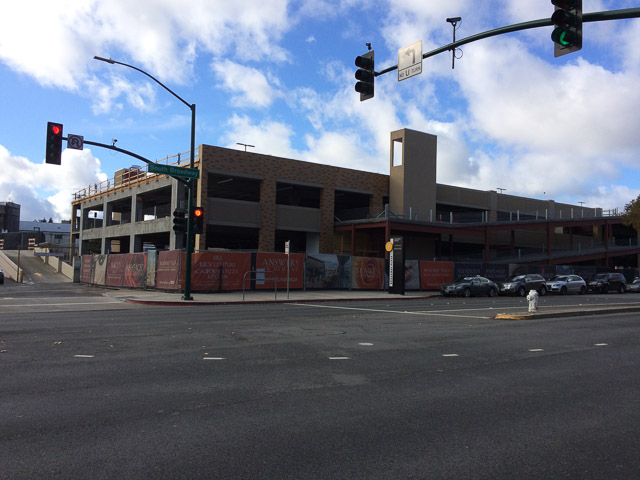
[
  {"x": 522, "y": 284},
  {"x": 608, "y": 282},
  {"x": 564, "y": 284},
  {"x": 634, "y": 286},
  {"x": 468, "y": 286},
  {"x": 1, "y": 277}
]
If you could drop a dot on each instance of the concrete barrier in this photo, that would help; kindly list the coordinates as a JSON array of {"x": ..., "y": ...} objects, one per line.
[{"x": 10, "y": 269}]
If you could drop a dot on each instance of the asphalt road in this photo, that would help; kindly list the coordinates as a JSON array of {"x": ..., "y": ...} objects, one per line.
[{"x": 331, "y": 391}]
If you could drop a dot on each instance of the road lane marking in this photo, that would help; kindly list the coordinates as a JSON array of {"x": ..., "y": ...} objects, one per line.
[
  {"x": 600, "y": 344},
  {"x": 450, "y": 355},
  {"x": 213, "y": 358},
  {"x": 84, "y": 356},
  {"x": 402, "y": 312},
  {"x": 59, "y": 304},
  {"x": 536, "y": 350},
  {"x": 366, "y": 344},
  {"x": 339, "y": 358}
]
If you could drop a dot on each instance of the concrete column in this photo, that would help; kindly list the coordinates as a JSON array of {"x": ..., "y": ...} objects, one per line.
[
  {"x": 267, "y": 238},
  {"x": 327, "y": 214}
]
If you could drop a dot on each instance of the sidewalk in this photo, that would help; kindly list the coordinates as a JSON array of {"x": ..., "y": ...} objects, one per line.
[{"x": 149, "y": 297}]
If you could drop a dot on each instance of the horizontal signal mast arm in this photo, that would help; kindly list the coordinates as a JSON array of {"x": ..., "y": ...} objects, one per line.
[{"x": 545, "y": 22}]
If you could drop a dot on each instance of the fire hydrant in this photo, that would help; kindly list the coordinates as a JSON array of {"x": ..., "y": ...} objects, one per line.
[{"x": 533, "y": 301}]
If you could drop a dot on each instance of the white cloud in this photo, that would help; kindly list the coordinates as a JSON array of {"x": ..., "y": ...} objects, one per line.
[
  {"x": 44, "y": 190},
  {"x": 250, "y": 86},
  {"x": 269, "y": 137}
]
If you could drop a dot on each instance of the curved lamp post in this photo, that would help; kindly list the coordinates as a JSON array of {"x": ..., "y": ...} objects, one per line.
[{"x": 192, "y": 106}]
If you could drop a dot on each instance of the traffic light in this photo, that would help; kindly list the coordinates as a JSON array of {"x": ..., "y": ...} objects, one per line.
[
  {"x": 54, "y": 143},
  {"x": 567, "y": 34},
  {"x": 179, "y": 222},
  {"x": 197, "y": 219},
  {"x": 365, "y": 75}
]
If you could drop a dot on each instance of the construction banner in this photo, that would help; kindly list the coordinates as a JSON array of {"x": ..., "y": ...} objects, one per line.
[
  {"x": 270, "y": 266},
  {"x": 85, "y": 268},
  {"x": 434, "y": 274},
  {"x": 168, "y": 270},
  {"x": 135, "y": 265},
  {"x": 115, "y": 270},
  {"x": 328, "y": 271},
  {"x": 216, "y": 271},
  {"x": 99, "y": 269},
  {"x": 367, "y": 273}
]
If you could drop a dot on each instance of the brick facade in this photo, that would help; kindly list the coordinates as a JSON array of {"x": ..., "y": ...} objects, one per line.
[{"x": 273, "y": 169}]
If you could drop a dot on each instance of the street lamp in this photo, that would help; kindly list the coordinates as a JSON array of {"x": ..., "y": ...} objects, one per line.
[{"x": 190, "y": 185}]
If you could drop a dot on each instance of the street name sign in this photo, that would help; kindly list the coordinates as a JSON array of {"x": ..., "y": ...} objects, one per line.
[
  {"x": 174, "y": 171},
  {"x": 410, "y": 61}
]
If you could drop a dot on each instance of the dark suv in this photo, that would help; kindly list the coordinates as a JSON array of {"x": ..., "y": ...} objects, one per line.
[
  {"x": 608, "y": 282},
  {"x": 522, "y": 284}
]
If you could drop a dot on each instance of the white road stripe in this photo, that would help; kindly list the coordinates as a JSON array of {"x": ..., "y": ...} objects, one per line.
[
  {"x": 213, "y": 358},
  {"x": 84, "y": 356},
  {"x": 425, "y": 313},
  {"x": 339, "y": 358},
  {"x": 600, "y": 344},
  {"x": 450, "y": 355},
  {"x": 536, "y": 350},
  {"x": 59, "y": 304}
]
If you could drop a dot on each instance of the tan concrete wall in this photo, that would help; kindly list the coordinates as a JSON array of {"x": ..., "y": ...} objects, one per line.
[{"x": 412, "y": 184}]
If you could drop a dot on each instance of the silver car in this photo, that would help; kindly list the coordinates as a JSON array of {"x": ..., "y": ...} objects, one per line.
[{"x": 564, "y": 284}]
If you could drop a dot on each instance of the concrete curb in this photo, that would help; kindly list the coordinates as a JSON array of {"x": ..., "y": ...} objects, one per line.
[
  {"x": 262, "y": 302},
  {"x": 565, "y": 313}
]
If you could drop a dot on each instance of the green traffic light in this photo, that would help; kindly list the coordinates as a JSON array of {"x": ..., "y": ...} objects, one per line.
[{"x": 563, "y": 36}]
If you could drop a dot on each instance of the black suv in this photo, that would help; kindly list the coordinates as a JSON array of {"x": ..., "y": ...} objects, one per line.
[
  {"x": 521, "y": 284},
  {"x": 608, "y": 282}
]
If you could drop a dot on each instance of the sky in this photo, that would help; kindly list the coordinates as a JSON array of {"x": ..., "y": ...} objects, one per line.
[{"x": 279, "y": 75}]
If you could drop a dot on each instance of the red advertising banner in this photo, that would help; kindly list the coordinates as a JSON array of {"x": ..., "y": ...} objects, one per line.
[
  {"x": 85, "y": 272},
  {"x": 168, "y": 270},
  {"x": 211, "y": 271},
  {"x": 434, "y": 274},
  {"x": 135, "y": 265},
  {"x": 115, "y": 270},
  {"x": 272, "y": 265},
  {"x": 367, "y": 273}
]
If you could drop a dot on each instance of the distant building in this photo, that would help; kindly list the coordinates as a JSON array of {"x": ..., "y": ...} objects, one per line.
[
  {"x": 9, "y": 217},
  {"x": 55, "y": 234}
]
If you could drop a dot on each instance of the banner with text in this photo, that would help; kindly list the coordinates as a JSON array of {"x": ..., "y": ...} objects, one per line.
[
  {"x": 85, "y": 269},
  {"x": 434, "y": 274},
  {"x": 135, "y": 265},
  {"x": 115, "y": 270},
  {"x": 214, "y": 271},
  {"x": 272, "y": 265},
  {"x": 168, "y": 270}
]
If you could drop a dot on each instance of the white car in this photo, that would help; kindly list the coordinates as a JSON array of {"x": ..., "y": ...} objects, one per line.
[{"x": 564, "y": 284}]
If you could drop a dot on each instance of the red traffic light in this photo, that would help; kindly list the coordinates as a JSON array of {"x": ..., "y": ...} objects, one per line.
[
  {"x": 198, "y": 212},
  {"x": 57, "y": 130}
]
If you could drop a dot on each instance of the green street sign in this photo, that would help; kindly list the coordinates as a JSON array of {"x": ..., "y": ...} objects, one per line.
[{"x": 174, "y": 171}]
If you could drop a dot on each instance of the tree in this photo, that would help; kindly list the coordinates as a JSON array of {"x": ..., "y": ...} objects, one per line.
[{"x": 631, "y": 214}]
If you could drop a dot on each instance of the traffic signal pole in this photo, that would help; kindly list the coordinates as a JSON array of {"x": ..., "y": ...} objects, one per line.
[
  {"x": 190, "y": 183},
  {"x": 545, "y": 22}
]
